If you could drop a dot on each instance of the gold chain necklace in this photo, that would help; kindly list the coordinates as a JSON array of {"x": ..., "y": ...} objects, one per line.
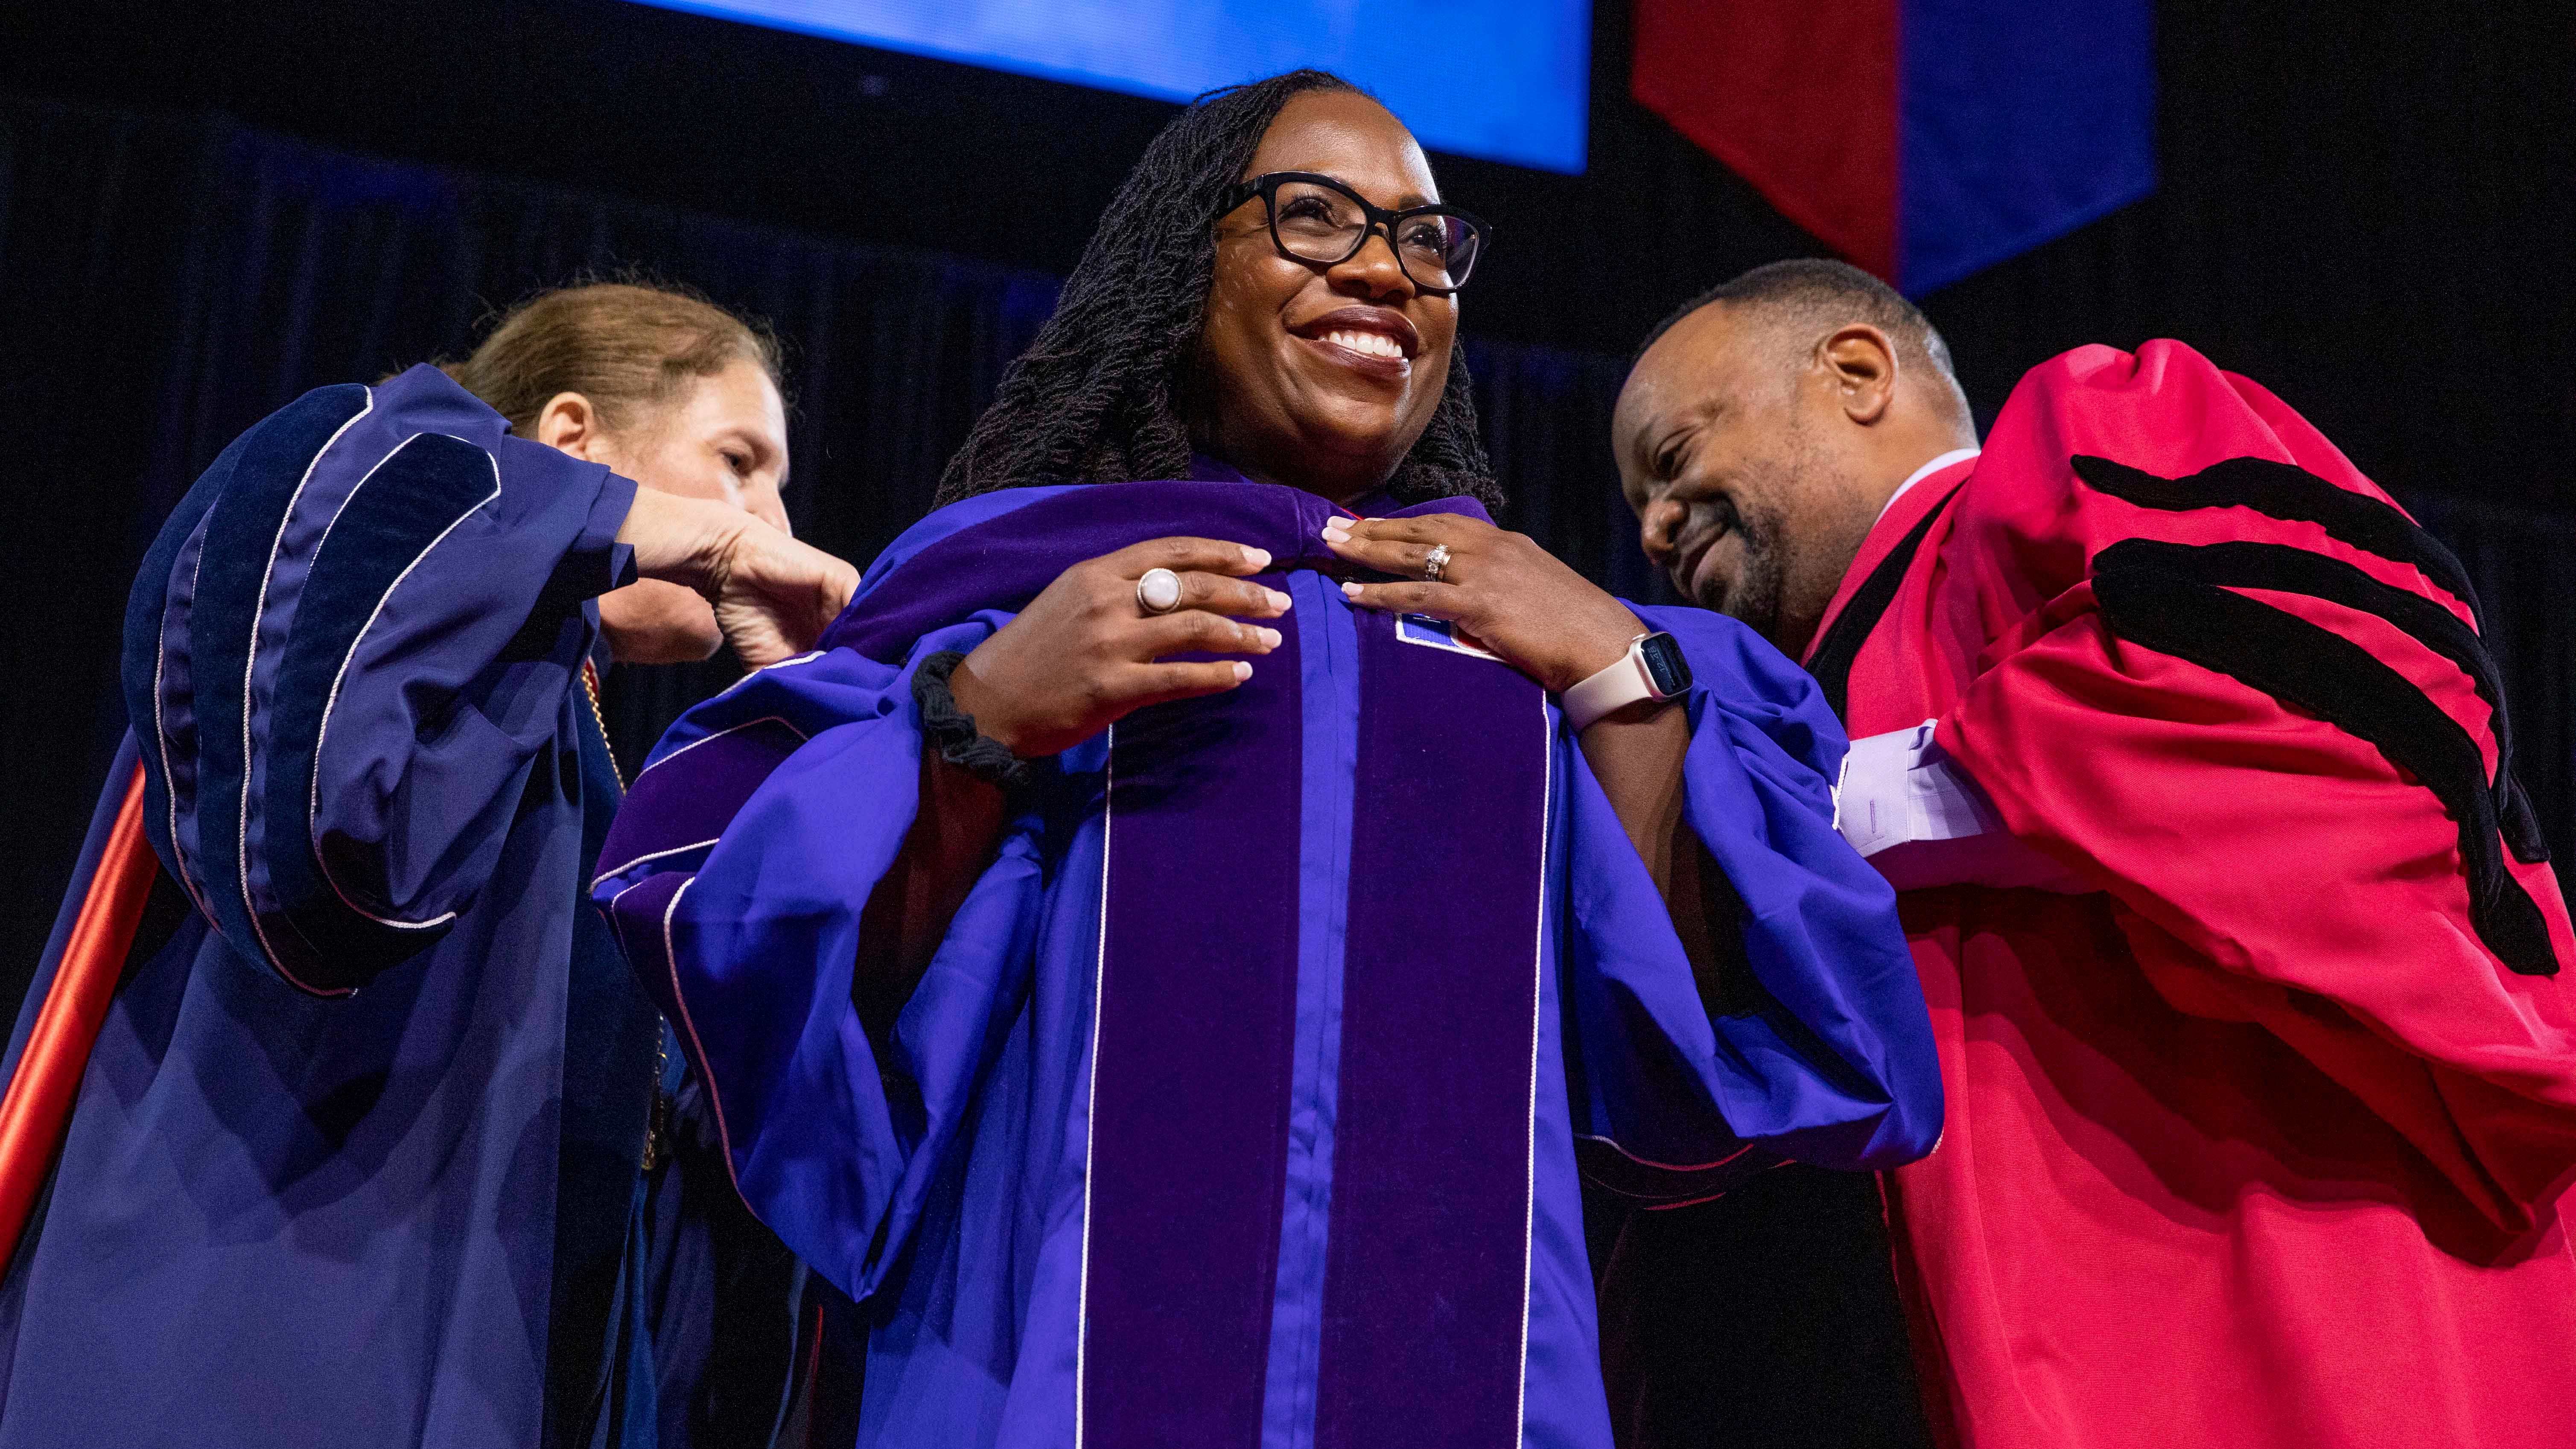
[{"x": 590, "y": 687}]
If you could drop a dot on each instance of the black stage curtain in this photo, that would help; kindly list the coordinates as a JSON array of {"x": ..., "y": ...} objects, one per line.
[{"x": 167, "y": 280}]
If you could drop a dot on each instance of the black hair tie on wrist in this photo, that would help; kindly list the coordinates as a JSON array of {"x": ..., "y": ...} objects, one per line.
[{"x": 953, "y": 731}]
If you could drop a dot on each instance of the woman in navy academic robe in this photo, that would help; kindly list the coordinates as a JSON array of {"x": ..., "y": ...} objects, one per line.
[
  {"x": 360, "y": 1154},
  {"x": 1172, "y": 950}
]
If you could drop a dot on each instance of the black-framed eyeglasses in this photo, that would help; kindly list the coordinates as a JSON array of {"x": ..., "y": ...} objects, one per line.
[{"x": 1317, "y": 219}]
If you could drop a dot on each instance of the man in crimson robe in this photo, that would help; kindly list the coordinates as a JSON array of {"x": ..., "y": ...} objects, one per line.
[{"x": 2179, "y": 741}]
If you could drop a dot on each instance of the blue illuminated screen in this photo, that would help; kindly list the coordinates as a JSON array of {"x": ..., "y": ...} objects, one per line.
[{"x": 1500, "y": 79}]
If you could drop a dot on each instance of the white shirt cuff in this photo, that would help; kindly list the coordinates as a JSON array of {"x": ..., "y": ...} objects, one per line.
[{"x": 1912, "y": 812}]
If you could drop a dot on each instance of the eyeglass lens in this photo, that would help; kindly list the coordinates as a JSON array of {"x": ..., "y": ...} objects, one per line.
[{"x": 1320, "y": 224}]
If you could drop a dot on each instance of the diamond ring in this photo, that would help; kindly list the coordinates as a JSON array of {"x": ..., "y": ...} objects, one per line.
[{"x": 1434, "y": 561}]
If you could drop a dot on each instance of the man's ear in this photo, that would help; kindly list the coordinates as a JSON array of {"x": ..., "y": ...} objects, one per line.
[
  {"x": 1860, "y": 361},
  {"x": 568, "y": 423}
]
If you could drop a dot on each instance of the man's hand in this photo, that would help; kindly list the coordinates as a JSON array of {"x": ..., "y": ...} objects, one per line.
[{"x": 772, "y": 595}]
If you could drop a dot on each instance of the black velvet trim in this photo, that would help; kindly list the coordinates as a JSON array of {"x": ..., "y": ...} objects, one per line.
[
  {"x": 2285, "y": 569},
  {"x": 255, "y": 481},
  {"x": 1840, "y": 644},
  {"x": 139, "y": 672},
  {"x": 414, "y": 496},
  {"x": 2316, "y": 670},
  {"x": 2293, "y": 495}
]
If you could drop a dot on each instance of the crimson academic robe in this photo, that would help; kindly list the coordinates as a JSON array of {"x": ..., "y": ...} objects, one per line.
[{"x": 2257, "y": 1118}]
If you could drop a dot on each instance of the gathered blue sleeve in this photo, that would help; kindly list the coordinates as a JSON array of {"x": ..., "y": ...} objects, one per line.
[
  {"x": 735, "y": 880},
  {"x": 346, "y": 652},
  {"x": 1826, "y": 1056}
]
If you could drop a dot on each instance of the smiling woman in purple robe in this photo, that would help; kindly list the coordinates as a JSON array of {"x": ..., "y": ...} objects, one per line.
[{"x": 1173, "y": 950}]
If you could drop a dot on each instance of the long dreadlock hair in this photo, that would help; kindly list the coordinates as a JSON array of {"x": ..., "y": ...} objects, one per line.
[{"x": 1097, "y": 398}]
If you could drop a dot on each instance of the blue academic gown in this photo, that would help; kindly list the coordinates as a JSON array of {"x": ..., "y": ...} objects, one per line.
[
  {"x": 355, "y": 1158},
  {"x": 1245, "y": 1100}
]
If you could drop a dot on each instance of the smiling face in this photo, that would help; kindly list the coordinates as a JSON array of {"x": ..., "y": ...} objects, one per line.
[
  {"x": 1744, "y": 491},
  {"x": 1322, "y": 377}
]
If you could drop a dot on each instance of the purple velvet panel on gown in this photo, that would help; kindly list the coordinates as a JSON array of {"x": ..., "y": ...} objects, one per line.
[
  {"x": 1240, "y": 1104},
  {"x": 1427, "y": 1263},
  {"x": 1189, "y": 1097}
]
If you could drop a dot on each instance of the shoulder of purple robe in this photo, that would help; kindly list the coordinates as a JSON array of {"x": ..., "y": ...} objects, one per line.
[
  {"x": 996, "y": 551},
  {"x": 342, "y": 654},
  {"x": 1825, "y": 1053},
  {"x": 952, "y": 578},
  {"x": 735, "y": 740},
  {"x": 734, "y": 879}
]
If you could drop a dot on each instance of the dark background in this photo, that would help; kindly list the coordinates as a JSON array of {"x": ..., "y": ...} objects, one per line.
[{"x": 207, "y": 208}]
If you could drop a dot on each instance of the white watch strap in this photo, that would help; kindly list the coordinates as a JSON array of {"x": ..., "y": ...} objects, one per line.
[{"x": 1622, "y": 683}]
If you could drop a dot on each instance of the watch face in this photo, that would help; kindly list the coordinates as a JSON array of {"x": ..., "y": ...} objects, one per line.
[{"x": 1665, "y": 665}]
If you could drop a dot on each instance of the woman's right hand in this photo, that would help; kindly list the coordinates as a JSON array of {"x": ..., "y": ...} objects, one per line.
[{"x": 1083, "y": 654}]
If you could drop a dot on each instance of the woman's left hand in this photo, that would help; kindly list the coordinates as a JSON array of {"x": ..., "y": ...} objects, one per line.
[{"x": 1515, "y": 597}]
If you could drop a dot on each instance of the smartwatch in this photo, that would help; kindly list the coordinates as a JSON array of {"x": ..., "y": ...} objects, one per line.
[{"x": 1653, "y": 668}]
